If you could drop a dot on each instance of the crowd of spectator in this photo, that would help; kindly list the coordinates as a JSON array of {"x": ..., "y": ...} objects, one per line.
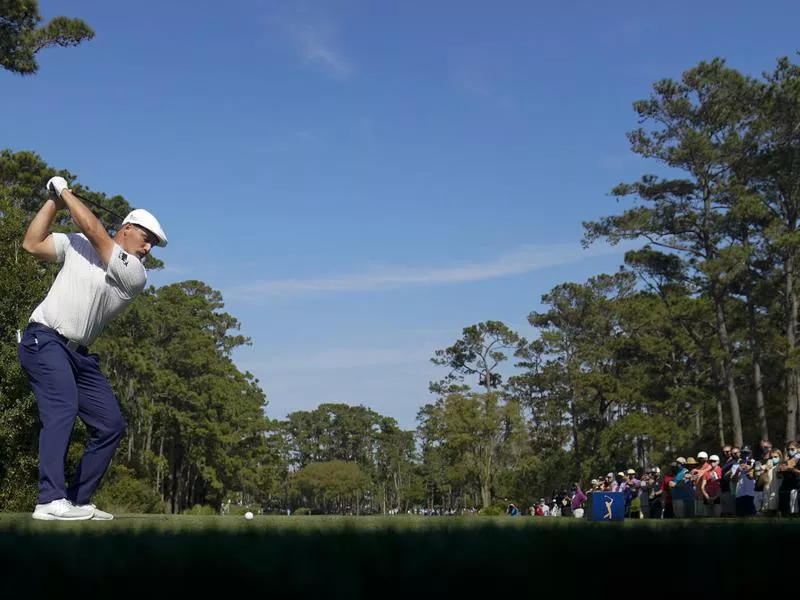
[{"x": 739, "y": 483}]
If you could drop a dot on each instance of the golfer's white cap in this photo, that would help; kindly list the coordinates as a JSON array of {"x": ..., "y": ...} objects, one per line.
[{"x": 141, "y": 217}]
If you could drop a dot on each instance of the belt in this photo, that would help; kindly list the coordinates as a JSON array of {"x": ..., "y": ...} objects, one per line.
[{"x": 72, "y": 345}]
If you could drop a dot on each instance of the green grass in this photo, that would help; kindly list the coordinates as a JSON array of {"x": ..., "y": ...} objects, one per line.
[
  {"x": 355, "y": 557},
  {"x": 157, "y": 523},
  {"x": 266, "y": 524}
]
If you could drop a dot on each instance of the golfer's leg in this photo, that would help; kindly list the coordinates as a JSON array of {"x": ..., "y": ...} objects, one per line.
[
  {"x": 99, "y": 409},
  {"x": 52, "y": 380}
]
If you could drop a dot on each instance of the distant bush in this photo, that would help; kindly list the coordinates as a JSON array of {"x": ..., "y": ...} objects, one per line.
[
  {"x": 18, "y": 489},
  {"x": 200, "y": 509},
  {"x": 238, "y": 510},
  {"x": 491, "y": 511},
  {"x": 303, "y": 510},
  {"x": 121, "y": 492}
]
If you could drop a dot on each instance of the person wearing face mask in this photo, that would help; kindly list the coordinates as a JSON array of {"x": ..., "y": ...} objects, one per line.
[
  {"x": 744, "y": 479},
  {"x": 766, "y": 451},
  {"x": 772, "y": 483},
  {"x": 789, "y": 473}
]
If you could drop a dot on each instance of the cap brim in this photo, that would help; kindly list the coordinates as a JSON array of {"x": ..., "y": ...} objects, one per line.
[{"x": 161, "y": 241}]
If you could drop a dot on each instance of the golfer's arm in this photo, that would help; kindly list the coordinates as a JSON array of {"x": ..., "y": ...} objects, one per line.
[
  {"x": 38, "y": 241},
  {"x": 89, "y": 225}
]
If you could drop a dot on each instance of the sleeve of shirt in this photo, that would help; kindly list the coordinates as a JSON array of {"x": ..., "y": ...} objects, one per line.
[
  {"x": 126, "y": 272},
  {"x": 60, "y": 243}
]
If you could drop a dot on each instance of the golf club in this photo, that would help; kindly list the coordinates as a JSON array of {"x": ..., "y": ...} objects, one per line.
[{"x": 98, "y": 205}]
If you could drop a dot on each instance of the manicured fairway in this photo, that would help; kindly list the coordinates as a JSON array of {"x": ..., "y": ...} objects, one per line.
[{"x": 358, "y": 557}]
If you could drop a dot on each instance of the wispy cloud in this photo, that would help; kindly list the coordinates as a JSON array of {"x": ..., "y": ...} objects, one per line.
[
  {"x": 311, "y": 29},
  {"x": 317, "y": 45},
  {"x": 522, "y": 260}
]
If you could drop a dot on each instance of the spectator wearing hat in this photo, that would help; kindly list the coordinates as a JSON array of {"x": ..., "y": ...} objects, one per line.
[
  {"x": 631, "y": 494},
  {"x": 682, "y": 490},
  {"x": 627, "y": 487},
  {"x": 655, "y": 492},
  {"x": 710, "y": 488},
  {"x": 697, "y": 476},
  {"x": 726, "y": 497},
  {"x": 621, "y": 482}
]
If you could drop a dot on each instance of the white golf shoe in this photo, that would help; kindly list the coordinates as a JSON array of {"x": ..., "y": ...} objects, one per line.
[
  {"x": 61, "y": 510},
  {"x": 98, "y": 515}
]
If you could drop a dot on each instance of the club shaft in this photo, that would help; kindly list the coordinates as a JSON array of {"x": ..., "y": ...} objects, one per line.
[{"x": 97, "y": 205}]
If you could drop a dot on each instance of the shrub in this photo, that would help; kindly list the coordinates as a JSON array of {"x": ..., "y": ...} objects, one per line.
[
  {"x": 491, "y": 511},
  {"x": 121, "y": 492},
  {"x": 200, "y": 509},
  {"x": 238, "y": 510}
]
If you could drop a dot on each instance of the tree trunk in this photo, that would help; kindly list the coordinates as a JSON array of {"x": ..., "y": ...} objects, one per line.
[
  {"x": 791, "y": 342},
  {"x": 486, "y": 485},
  {"x": 158, "y": 467},
  {"x": 574, "y": 427},
  {"x": 720, "y": 424},
  {"x": 148, "y": 441},
  {"x": 727, "y": 367},
  {"x": 761, "y": 412},
  {"x": 755, "y": 350},
  {"x": 398, "y": 481}
]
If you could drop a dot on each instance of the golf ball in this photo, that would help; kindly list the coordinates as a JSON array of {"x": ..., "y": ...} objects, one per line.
[{"x": 248, "y": 515}]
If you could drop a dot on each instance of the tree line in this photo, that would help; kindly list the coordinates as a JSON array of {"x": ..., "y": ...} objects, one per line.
[{"x": 692, "y": 343}]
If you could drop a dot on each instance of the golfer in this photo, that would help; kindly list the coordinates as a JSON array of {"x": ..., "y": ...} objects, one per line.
[{"x": 100, "y": 276}]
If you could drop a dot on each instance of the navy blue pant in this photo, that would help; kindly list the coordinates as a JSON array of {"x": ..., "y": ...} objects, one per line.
[{"x": 67, "y": 384}]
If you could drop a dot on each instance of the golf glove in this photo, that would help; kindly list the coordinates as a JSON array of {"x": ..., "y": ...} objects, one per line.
[{"x": 57, "y": 185}]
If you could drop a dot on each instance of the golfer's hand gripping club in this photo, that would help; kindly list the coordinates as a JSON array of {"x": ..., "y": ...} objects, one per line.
[{"x": 56, "y": 185}]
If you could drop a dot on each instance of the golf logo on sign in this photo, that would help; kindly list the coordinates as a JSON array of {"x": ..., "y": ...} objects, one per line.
[{"x": 607, "y": 506}]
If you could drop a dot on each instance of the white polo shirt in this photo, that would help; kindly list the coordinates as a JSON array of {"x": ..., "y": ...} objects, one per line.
[{"x": 86, "y": 295}]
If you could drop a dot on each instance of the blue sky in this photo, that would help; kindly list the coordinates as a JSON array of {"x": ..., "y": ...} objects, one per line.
[{"x": 360, "y": 179}]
